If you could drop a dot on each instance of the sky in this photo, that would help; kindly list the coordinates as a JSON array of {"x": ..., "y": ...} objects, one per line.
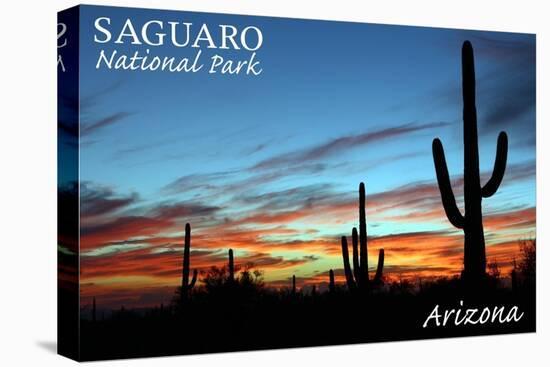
[{"x": 270, "y": 165}]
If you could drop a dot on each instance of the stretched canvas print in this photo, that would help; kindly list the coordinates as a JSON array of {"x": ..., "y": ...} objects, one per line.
[{"x": 231, "y": 183}]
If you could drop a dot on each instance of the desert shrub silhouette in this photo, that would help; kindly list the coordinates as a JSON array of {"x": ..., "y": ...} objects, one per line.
[
  {"x": 528, "y": 264},
  {"x": 221, "y": 281}
]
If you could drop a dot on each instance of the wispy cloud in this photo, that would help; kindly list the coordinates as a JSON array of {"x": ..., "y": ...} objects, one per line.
[
  {"x": 338, "y": 145},
  {"x": 506, "y": 90},
  {"x": 284, "y": 231},
  {"x": 206, "y": 181},
  {"x": 103, "y": 225},
  {"x": 509, "y": 90},
  {"x": 505, "y": 87},
  {"x": 91, "y": 127},
  {"x": 92, "y": 118},
  {"x": 100, "y": 200}
]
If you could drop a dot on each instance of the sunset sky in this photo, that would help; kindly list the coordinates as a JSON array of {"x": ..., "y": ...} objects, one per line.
[{"x": 270, "y": 165}]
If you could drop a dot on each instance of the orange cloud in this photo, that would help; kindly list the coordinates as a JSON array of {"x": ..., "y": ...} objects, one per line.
[
  {"x": 519, "y": 219},
  {"x": 134, "y": 255}
]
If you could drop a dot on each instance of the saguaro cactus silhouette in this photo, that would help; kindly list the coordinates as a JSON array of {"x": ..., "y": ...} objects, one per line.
[
  {"x": 294, "y": 284},
  {"x": 187, "y": 285},
  {"x": 331, "y": 286},
  {"x": 471, "y": 222},
  {"x": 359, "y": 277},
  {"x": 231, "y": 267},
  {"x": 380, "y": 267}
]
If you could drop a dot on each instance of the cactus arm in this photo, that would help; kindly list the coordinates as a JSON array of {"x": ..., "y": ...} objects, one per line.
[
  {"x": 347, "y": 268},
  {"x": 380, "y": 268},
  {"x": 194, "y": 279},
  {"x": 355, "y": 248},
  {"x": 500, "y": 166},
  {"x": 444, "y": 183},
  {"x": 331, "y": 286}
]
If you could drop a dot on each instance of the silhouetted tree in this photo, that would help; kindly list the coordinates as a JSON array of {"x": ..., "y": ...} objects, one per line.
[
  {"x": 493, "y": 273},
  {"x": 528, "y": 262},
  {"x": 494, "y": 270},
  {"x": 250, "y": 278},
  {"x": 217, "y": 281},
  {"x": 214, "y": 278}
]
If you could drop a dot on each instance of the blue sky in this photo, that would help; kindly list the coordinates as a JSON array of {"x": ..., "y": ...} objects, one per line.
[{"x": 336, "y": 104}]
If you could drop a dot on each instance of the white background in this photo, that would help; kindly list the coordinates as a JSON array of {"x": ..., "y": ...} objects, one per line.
[{"x": 28, "y": 182}]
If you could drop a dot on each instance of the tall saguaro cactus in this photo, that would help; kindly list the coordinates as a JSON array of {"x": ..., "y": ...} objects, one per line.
[
  {"x": 380, "y": 267},
  {"x": 187, "y": 285},
  {"x": 472, "y": 221},
  {"x": 363, "y": 254},
  {"x": 231, "y": 267},
  {"x": 331, "y": 285},
  {"x": 359, "y": 277}
]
